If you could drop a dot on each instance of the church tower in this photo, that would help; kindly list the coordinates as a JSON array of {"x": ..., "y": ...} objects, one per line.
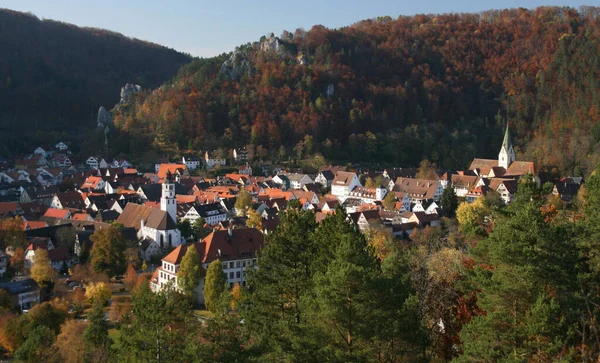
[
  {"x": 507, "y": 153},
  {"x": 168, "y": 202}
]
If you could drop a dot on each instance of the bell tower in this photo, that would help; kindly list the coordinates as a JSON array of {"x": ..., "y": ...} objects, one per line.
[
  {"x": 507, "y": 153},
  {"x": 168, "y": 202}
]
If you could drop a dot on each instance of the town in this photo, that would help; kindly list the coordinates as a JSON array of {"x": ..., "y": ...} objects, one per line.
[{"x": 57, "y": 205}]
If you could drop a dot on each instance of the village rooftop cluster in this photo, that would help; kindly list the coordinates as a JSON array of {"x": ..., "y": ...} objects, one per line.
[{"x": 48, "y": 191}]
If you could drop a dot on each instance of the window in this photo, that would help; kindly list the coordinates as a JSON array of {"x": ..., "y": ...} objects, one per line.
[
  {"x": 237, "y": 264},
  {"x": 237, "y": 274},
  {"x": 230, "y": 264},
  {"x": 231, "y": 275},
  {"x": 244, "y": 264}
]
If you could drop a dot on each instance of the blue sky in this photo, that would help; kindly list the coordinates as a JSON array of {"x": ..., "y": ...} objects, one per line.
[{"x": 207, "y": 28}]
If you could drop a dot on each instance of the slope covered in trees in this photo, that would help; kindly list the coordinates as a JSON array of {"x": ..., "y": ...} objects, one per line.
[
  {"x": 56, "y": 75},
  {"x": 391, "y": 90}
]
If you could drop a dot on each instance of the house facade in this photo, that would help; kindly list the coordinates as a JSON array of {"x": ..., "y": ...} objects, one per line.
[
  {"x": 343, "y": 183},
  {"x": 235, "y": 247}
]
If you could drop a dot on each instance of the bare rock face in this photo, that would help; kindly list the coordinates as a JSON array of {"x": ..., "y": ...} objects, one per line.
[
  {"x": 236, "y": 65},
  {"x": 329, "y": 90},
  {"x": 104, "y": 118},
  {"x": 128, "y": 90}
]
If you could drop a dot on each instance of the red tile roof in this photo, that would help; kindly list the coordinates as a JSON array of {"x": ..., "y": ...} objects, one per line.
[{"x": 56, "y": 213}]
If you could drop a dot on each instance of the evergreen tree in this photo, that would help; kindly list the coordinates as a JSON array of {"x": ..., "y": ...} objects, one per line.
[
  {"x": 449, "y": 202},
  {"x": 190, "y": 272},
  {"x": 160, "y": 323},
  {"x": 96, "y": 333},
  {"x": 345, "y": 293},
  {"x": 215, "y": 285},
  {"x": 275, "y": 312},
  {"x": 38, "y": 346},
  {"x": 522, "y": 259}
]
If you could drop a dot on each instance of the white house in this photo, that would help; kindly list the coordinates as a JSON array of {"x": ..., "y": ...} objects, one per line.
[
  {"x": 40, "y": 151},
  {"x": 369, "y": 195},
  {"x": 324, "y": 178},
  {"x": 212, "y": 161},
  {"x": 343, "y": 183},
  {"x": 297, "y": 181},
  {"x": 240, "y": 155},
  {"x": 235, "y": 248},
  {"x": 61, "y": 146},
  {"x": 245, "y": 169},
  {"x": 92, "y": 162},
  {"x": 191, "y": 162}
]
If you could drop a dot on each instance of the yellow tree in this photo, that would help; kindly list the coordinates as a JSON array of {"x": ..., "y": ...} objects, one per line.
[
  {"x": 254, "y": 219},
  {"x": 379, "y": 240},
  {"x": 243, "y": 202},
  {"x": 470, "y": 216},
  {"x": 42, "y": 271},
  {"x": 98, "y": 293}
]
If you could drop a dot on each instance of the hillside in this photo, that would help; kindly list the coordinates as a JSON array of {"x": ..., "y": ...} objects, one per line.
[
  {"x": 392, "y": 91},
  {"x": 55, "y": 75}
]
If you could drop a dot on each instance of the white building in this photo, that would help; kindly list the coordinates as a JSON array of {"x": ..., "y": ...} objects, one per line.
[
  {"x": 343, "y": 183},
  {"x": 298, "y": 181},
  {"x": 235, "y": 248},
  {"x": 192, "y": 163},
  {"x": 156, "y": 224}
]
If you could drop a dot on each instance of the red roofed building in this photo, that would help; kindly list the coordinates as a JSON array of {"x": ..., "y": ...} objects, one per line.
[
  {"x": 58, "y": 213},
  {"x": 235, "y": 247}
]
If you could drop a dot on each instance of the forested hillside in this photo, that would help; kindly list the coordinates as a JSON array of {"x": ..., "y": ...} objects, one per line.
[
  {"x": 55, "y": 75},
  {"x": 392, "y": 91}
]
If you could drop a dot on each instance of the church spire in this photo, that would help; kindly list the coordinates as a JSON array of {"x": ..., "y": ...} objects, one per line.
[
  {"x": 507, "y": 153},
  {"x": 507, "y": 144}
]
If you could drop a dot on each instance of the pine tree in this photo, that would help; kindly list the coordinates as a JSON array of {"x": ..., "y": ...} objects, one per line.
[
  {"x": 283, "y": 280},
  {"x": 449, "y": 202},
  {"x": 96, "y": 333},
  {"x": 160, "y": 323},
  {"x": 215, "y": 285},
  {"x": 344, "y": 296}
]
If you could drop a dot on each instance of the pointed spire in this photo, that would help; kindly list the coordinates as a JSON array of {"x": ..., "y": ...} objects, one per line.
[{"x": 506, "y": 143}]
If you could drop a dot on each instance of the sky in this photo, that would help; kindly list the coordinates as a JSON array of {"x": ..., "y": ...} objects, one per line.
[{"x": 208, "y": 28}]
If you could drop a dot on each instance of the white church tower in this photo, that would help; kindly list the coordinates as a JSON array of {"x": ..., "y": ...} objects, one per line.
[
  {"x": 507, "y": 153},
  {"x": 168, "y": 202}
]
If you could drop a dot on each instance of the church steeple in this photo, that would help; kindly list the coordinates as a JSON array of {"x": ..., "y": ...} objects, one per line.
[
  {"x": 507, "y": 153},
  {"x": 168, "y": 201}
]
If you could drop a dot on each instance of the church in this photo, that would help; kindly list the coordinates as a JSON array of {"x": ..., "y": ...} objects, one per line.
[
  {"x": 498, "y": 175},
  {"x": 157, "y": 227}
]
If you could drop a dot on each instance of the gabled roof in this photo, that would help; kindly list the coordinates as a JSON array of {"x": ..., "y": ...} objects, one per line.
[
  {"x": 343, "y": 178},
  {"x": 8, "y": 209},
  {"x": 170, "y": 168},
  {"x": 154, "y": 218},
  {"x": 56, "y": 213},
  {"x": 327, "y": 174},
  {"x": 71, "y": 200}
]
